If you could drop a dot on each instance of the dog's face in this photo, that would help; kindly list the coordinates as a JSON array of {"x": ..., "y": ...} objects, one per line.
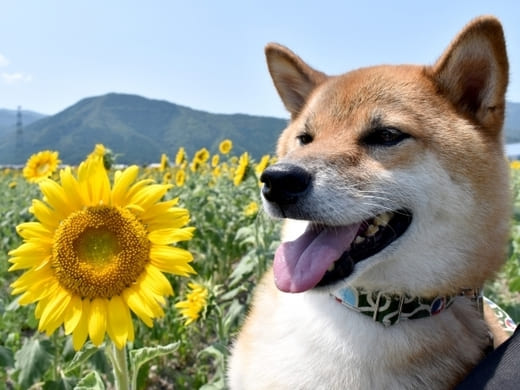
[{"x": 399, "y": 171}]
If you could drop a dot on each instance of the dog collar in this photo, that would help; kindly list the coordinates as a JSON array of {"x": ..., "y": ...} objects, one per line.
[{"x": 390, "y": 309}]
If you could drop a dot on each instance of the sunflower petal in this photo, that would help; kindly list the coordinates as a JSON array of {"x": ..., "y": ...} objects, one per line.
[
  {"x": 35, "y": 230},
  {"x": 33, "y": 280},
  {"x": 30, "y": 249},
  {"x": 151, "y": 301},
  {"x": 97, "y": 322},
  {"x": 44, "y": 214},
  {"x": 38, "y": 291},
  {"x": 149, "y": 195},
  {"x": 159, "y": 209},
  {"x": 119, "y": 321},
  {"x": 56, "y": 198},
  {"x": 23, "y": 262},
  {"x": 168, "y": 236},
  {"x": 172, "y": 260},
  {"x": 136, "y": 187},
  {"x": 52, "y": 314},
  {"x": 138, "y": 305},
  {"x": 122, "y": 183},
  {"x": 156, "y": 281},
  {"x": 172, "y": 218},
  {"x": 80, "y": 333},
  {"x": 72, "y": 315},
  {"x": 72, "y": 188}
]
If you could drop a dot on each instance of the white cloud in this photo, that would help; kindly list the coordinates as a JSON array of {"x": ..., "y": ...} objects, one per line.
[
  {"x": 3, "y": 61},
  {"x": 18, "y": 77}
]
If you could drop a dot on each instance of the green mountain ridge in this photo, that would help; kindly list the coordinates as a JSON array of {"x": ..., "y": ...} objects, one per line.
[{"x": 138, "y": 130}]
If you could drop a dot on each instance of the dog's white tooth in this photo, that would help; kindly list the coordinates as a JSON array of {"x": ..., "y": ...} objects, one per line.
[
  {"x": 383, "y": 219},
  {"x": 371, "y": 230},
  {"x": 359, "y": 240}
]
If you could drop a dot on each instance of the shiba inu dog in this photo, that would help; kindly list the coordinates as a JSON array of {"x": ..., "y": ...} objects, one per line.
[{"x": 395, "y": 188}]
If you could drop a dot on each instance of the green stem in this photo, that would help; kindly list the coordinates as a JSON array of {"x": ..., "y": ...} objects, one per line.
[{"x": 120, "y": 366}]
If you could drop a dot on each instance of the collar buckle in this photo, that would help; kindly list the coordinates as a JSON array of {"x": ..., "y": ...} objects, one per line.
[{"x": 475, "y": 296}]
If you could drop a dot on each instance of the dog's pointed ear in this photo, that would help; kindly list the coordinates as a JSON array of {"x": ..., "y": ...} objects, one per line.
[
  {"x": 473, "y": 72},
  {"x": 294, "y": 79}
]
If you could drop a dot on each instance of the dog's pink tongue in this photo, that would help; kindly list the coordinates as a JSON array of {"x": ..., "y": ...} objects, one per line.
[{"x": 300, "y": 264}]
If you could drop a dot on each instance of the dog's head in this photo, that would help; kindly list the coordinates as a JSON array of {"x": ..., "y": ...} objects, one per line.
[{"x": 399, "y": 170}]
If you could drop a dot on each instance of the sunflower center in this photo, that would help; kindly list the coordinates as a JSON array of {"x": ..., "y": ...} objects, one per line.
[
  {"x": 42, "y": 168},
  {"x": 97, "y": 247},
  {"x": 100, "y": 251}
]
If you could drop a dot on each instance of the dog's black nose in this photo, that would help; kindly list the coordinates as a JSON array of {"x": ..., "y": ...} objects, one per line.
[{"x": 284, "y": 183}]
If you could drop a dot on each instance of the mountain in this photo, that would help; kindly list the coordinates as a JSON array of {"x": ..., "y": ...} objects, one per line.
[
  {"x": 8, "y": 119},
  {"x": 512, "y": 123},
  {"x": 138, "y": 130}
]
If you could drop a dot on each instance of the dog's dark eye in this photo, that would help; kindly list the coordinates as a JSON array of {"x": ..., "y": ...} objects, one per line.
[
  {"x": 385, "y": 136},
  {"x": 304, "y": 138}
]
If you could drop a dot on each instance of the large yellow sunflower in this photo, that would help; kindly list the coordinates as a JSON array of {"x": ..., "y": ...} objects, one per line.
[
  {"x": 40, "y": 166},
  {"x": 98, "y": 253}
]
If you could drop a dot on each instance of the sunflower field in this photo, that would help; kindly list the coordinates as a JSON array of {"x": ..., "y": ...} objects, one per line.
[{"x": 139, "y": 321}]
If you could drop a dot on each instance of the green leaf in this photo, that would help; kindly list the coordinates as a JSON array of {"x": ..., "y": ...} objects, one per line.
[
  {"x": 217, "y": 351},
  {"x": 138, "y": 357},
  {"x": 80, "y": 357},
  {"x": 6, "y": 357},
  {"x": 245, "y": 267},
  {"x": 32, "y": 360},
  {"x": 91, "y": 381},
  {"x": 61, "y": 384},
  {"x": 235, "y": 311}
]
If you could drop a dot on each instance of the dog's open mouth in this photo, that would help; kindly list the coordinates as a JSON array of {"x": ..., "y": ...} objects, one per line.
[{"x": 326, "y": 254}]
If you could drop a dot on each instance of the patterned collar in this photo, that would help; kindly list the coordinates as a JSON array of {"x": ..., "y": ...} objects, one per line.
[{"x": 390, "y": 309}]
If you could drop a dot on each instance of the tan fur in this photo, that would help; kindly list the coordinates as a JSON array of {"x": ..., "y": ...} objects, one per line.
[{"x": 451, "y": 172}]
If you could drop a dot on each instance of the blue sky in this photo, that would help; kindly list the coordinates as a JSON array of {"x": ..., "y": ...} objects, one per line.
[{"x": 209, "y": 54}]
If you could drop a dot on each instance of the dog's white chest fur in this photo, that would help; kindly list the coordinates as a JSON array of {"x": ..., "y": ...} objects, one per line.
[{"x": 310, "y": 341}]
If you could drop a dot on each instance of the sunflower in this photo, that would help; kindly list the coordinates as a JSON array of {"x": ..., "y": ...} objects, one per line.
[
  {"x": 181, "y": 156},
  {"x": 260, "y": 167},
  {"x": 164, "y": 163},
  {"x": 251, "y": 209},
  {"x": 201, "y": 156},
  {"x": 196, "y": 301},
  {"x": 216, "y": 172},
  {"x": 215, "y": 160},
  {"x": 40, "y": 166},
  {"x": 241, "y": 170},
  {"x": 167, "y": 177},
  {"x": 225, "y": 146},
  {"x": 515, "y": 165},
  {"x": 98, "y": 152},
  {"x": 98, "y": 253},
  {"x": 103, "y": 154},
  {"x": 180, "y": 178}
]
